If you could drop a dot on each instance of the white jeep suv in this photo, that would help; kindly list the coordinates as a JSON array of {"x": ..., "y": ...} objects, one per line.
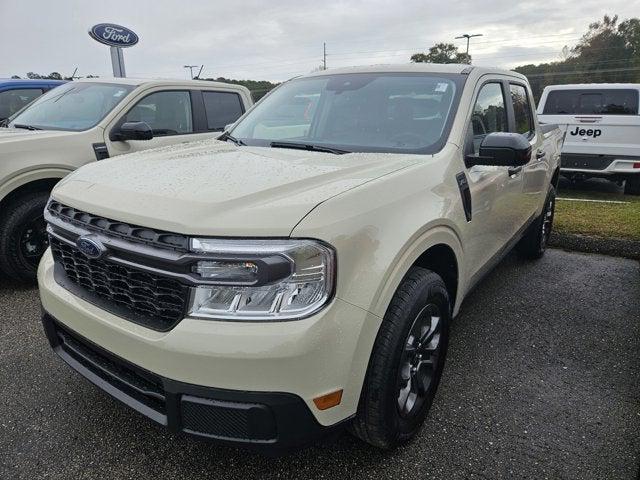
[{"x": 303, "y": 274}]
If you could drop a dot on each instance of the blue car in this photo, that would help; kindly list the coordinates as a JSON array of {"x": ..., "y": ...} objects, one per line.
[{"x": 16, "y": 93}]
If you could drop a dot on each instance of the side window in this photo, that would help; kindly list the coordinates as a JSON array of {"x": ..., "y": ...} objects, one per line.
[
  {"x": 13, "y": 100},
  {"x": 222, "y": 108},
  {"x": 521, "y": 109},
  {"x": 489, "y": 114},
  {"x": 167, "y": 113}
]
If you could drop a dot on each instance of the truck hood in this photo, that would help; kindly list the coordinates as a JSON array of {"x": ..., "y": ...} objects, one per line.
[
  {"x": 218, "y": 189},
  {"x": 20, "y": 141},
  {"x": 18, "y": 134}
]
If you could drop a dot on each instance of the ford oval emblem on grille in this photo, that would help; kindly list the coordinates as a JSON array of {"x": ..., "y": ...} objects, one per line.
[{"x": 90, "y": 247}]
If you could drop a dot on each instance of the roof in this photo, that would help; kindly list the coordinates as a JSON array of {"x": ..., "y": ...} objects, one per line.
[
  {"x": 451, "y": 68},
  {"x": 160, "y": 82},
  {"x": 589, "y": 86}
]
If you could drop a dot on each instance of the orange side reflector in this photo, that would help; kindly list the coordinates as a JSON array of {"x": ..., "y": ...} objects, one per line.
[{"x": 329, "y": 400}]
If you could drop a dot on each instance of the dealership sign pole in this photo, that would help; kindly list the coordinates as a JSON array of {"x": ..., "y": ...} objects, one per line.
[{"x": 117, "y": 37}]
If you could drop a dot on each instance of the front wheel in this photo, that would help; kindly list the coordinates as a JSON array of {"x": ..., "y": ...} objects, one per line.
[
  {"x": 534, "y": 243},
  {"x": 23, "y": 236},
  {"x": 406, "y": 363},
  {"x": 632, "y": 185}
]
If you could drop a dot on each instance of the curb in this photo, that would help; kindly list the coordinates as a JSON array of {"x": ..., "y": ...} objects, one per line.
[{"x": 616, "y": 247}]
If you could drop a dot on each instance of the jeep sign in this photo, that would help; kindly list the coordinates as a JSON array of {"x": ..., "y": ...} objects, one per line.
[
  {"x": 584, "y": 132},
  {"x": 113, "y": 35}
]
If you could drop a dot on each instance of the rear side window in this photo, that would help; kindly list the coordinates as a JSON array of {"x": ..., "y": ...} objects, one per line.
[
  {"x": 222, "y": 108},
  {"x": 592, "y": 102},
  {"x": 13, "y": 100},
  {"x": 521, "y": 109}
]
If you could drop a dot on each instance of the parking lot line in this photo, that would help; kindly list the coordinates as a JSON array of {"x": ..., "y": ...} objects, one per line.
[{"x": 590, "y": 200}]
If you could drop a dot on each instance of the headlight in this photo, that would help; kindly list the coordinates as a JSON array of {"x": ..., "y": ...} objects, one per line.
[{"x": 261, "y": 279}]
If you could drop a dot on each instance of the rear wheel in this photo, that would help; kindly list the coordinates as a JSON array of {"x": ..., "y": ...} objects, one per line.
[
  {"x": 534, "y": 243},
  {"x": 23, "y": 236},
  {"x": 406, "y": 363},
  {"x": 632, "y": 185}
]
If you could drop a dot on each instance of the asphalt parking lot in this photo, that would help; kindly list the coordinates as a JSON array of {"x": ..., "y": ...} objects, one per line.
[{"x": 542, "y": 381}]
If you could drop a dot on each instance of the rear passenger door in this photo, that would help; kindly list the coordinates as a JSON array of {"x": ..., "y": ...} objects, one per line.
[{"x": 534, "y": 173}]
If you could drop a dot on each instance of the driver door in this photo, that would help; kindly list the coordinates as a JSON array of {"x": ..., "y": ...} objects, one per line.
[
  {"x": 496, "y": 194},
  {"x": 169, "y": 113}
]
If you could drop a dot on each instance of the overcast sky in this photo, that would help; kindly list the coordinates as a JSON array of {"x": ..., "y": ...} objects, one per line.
[{"x": 277, "y": 39}]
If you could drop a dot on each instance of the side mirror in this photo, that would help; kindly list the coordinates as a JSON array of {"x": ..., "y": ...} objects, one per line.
[
  {"x": 133, "y": 131},
  {"x": 501, "y": 149}
]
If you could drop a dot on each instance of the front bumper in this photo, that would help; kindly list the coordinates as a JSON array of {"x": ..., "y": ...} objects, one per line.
[
  {"x": 270, "y": 370},
  {"x": 252, "y": 418}
]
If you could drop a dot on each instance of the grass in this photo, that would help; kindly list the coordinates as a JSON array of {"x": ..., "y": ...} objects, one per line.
[{"x": 610, "y": 220}]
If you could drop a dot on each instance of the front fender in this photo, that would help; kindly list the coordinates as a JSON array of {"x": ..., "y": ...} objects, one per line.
[
  {"x": 23, "y": 178},
  {"x": 428, "y": 237}
]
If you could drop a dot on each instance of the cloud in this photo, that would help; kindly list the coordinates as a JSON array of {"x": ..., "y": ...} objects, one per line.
[{"x": 279, "y": 39}]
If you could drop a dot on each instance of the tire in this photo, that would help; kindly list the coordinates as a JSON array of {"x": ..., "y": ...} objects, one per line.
[
  {"x": 23, "y": 238},
  {"x": 534, "y": 243},
  {"x": 632, "y": 185},
  {"x": 389, "y": 412}
]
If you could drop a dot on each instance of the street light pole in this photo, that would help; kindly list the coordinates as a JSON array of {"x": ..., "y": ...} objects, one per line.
[
  {"x": 190, "y": 67},
  {"x": 468, "y": 37}
]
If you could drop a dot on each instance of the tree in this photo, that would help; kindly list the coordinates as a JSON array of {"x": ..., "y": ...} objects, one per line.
[
  {"x": 15, "y": 76},
  {"x": 54, "y": 76},
  {"x": 442, "y": 53},
  {"x": 33, "y": 76},
  {"x": 608, "y": 52},
  {"x": 258, "y": 88}
]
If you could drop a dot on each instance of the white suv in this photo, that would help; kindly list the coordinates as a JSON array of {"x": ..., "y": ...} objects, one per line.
[
  {"x": 88, "y": 120},
  {"x": 302, "y": 275},
  {"x": 602, "y": 128}
]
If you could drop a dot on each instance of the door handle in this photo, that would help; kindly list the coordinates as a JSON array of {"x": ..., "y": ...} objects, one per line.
[
  {"x": 513, "y": 171},
  {"x": 540, "y": 154}
]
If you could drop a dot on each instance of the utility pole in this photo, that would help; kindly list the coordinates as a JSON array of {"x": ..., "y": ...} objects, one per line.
[
  {"x": 199, "y": 72},
  {"x": 467, "y": 36},
  {"x": 324, "y": 55},
  {"x": 190, "y": 67}
]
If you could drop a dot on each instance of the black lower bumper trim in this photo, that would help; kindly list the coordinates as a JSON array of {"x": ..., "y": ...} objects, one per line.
[{"x": 265, "y": 420}]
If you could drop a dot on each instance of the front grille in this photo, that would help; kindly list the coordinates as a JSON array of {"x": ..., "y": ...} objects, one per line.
[
  {"x": 151, "y": 300},
  {"x": 129, "y": 232},
  {"x": 143, "y": 386}
]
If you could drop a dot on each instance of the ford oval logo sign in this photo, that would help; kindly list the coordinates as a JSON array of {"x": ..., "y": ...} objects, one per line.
[
  {"x": 90, "y": 247},
  {"x": 113, "y": 35}
]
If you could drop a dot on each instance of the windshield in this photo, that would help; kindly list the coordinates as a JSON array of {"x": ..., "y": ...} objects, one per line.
[
  {"x": 74, "y": 106},
  {"x": 364, "y": 112}
]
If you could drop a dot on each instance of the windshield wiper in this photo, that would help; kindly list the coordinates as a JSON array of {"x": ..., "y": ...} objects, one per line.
[
  {"x": 308, "y": 146},
  {"x": 26, "y": 127},
  {"x": 227, "y": 136}
]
